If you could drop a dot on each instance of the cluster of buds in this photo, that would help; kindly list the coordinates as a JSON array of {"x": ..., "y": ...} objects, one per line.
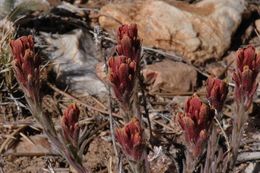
[
  {"x": 122, "y": 75},
  {"x": 70, "y": 126},
  {"x": 217, "y": 91},
  {"x": 130, "y": 139},
  {"x": 27, "y": 71},
  {"x": 123, "y": 68},
  {"x": 195, "y": 122},
  {"x": 26, "y": 67},
  {"x": 248, "y": 65},
  {"x": 128, "y": 42}
]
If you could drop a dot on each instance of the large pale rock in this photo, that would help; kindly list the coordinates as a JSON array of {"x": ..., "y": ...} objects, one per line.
[
  {"x": 170, "y": 76},
  {"x": 197, "y": 32},
  {"x": 257, "y": 25},
  {"x": 74, "y": 59}
]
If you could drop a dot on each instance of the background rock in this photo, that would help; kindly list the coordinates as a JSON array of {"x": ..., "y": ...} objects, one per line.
[
  {"x": 257, "y": 25},
  {"x": 39, "y": 145},
  {"x": 74, "y": 58},
  {"x": 197, "y": 32},
  {"x": 170, "y": 76}
]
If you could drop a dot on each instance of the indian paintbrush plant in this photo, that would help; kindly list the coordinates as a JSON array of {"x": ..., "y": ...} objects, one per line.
[
  {"x": 195, "y": 122},
  {"x": 217, "y": 91},
  {"x": 70, "y": 126},
  {"x": 201, "y": 134},
  {"x": 122, "y": 76},
  {"x": 9, "y": 13},
  {"x": 131, "y": 139},
  {"x": 26, "y": 66},
  {"x": 124, "y": 70},
  {"x": 248, "y": 66},
  {"x": 128, "y": 42},
  {"x": 244, "y": 76}
]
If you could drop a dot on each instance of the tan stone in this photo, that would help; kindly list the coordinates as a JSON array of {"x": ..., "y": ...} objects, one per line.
[
  {"x": 170, "y": 76},
  {"x": 38, "y": 144},
  {"x": 257, "y": 25},
  {"x": 197, "y": 32}
]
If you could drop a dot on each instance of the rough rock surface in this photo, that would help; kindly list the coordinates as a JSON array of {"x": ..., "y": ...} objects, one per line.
[
  {"x": 38, "y": 145},
  {"x": 198, "y": 32},
  {"x": 74, "y": 58},
  {"x": 170, "y": 76}
]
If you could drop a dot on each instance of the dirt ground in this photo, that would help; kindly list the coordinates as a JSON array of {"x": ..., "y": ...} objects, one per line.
[{"x": 25, "y": 149}]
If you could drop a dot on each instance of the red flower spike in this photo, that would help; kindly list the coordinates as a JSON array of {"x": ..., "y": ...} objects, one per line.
[
  {"x": 195, "y": 122},
  {"x": 128, "y": 42},
  {"x": 130, "y": 139},
  {"x": 122, "y": 77},
  {"x": 26, "y": 66},
  {"x": 217, "y": 91},
  {"x": 248, "y": 65},
  {"x": 70, "y": 126}
]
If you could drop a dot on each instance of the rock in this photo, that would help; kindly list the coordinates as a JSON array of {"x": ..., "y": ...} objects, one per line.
[
  {"x": 39, "y": 144},
  {"x": 257, "y": 25},
  {"x": 21, "y": 7},
  {"x": 216, "y": 69},
  {"x": 250, "y": 168},
  {"x": 170, "y": 76},
  {"x": 74, "y": 58},
  {"x": 71, "y": 51},
  {"x": 196, "y": 31}
]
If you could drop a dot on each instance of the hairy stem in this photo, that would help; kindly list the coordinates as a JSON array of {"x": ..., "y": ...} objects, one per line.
[
  {"x": 190, "y": 163},
  {"x": 239, "y": 118}
]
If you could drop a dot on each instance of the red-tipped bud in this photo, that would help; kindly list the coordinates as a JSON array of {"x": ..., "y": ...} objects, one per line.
[
  {"x": 70, "y": 126},
  {"x": 128, "y": 42},
  {"x": 217, "y": 91},
  {"x": 122, "y": 72},
  {"x": 248, "y": 65},
  {"x": 130, "y": 139},
  {"x": 26, "y": 66},
  {"x": 247, "y": 57},
  {"x": 195, "y": 122}
]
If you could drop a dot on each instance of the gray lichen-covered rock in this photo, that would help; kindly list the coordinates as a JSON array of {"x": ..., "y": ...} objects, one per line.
[
  {"x": 198, "y": 32},
  {"x": 74, "y": 59}
]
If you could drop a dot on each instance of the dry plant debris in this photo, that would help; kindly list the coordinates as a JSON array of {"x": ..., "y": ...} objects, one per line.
[{"x": 151, "y": 121}]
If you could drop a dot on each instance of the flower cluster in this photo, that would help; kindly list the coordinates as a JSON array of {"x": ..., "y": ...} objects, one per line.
[
  {"x": 70, "y": 126},
  {"x": 131, "y": 139},
  {"x": 122, "y": 76},
  {"x": 195, "y": 122},
  {"x": 123, "y": 68},
  {"x": 26, "y": 66},
  {"x": 217, "y": 91},
  {"x": 128, "y": 43},
  {"x": 248, "y": 65}
]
